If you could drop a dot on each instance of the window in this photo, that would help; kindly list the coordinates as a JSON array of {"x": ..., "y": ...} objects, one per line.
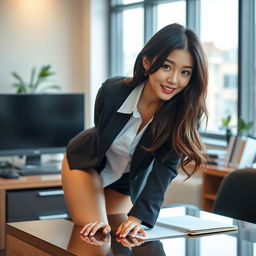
[
  {"x": 227, "y": 30},
  {"x": 126, "y": 35},
  {"x": 219, "y": 36},
  {"x": 133, "y": 39},
  {"x": 170, "y": 13},
  {"x": 230, "y": 80}
]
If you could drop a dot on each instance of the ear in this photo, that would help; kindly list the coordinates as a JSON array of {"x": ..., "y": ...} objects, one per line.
[{"x": 145, "y": 63}]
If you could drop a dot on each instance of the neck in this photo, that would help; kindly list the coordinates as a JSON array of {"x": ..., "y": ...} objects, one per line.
[{"x": 149, "y": 99}]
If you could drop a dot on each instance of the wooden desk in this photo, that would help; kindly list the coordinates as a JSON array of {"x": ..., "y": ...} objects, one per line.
[
  {"x": 61, "y": 237},
  {"x": 37, "y": 181}
]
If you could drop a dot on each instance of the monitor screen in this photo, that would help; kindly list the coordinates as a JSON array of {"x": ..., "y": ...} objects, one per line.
[{"x": 34, "y": 124}]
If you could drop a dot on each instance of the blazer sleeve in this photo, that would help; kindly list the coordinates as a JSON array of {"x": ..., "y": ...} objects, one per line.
[
  {"x": 148, "y": 204},
  {"x": 82, "y": 150},
  {"x": 99, "y": 105}
]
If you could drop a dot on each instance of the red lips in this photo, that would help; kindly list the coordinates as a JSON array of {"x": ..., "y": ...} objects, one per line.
[{"x": 167, "y": 89}]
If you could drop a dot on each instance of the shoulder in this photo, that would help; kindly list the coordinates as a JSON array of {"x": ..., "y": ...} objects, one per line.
[
  {"x": 115, "y": 90},
  {"x": 116, "y": 86}
]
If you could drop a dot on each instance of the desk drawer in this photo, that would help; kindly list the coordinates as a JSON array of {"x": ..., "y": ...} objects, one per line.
[{"x": 34, "y": 204}]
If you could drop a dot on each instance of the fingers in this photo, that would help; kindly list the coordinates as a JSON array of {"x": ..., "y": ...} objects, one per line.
[
  {"x": 142, "y": 232},
  {"x": 91, "y": 228},
  {"x": 106, "y": 229},
  {"x": 94, "y": 241},
  {"x": 131, "y": 242},
  {"x": 135, "y": 230},
  {"x": 129, "y": 226}
]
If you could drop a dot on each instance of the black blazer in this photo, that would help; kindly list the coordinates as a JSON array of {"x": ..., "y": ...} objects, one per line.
[{"x": 87, "y": 150}]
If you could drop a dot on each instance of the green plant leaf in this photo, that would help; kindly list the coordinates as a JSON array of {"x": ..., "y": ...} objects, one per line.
[
  {"x": 249, "y": 125},
  {"x": 45, "y": 71},
  {"x": 32, "y": 77},
  {"x": 17, "y": 76},
  {"x": 20, "y": 85},
  {"x": 243, "y": 127},
  {"x": 226, "y": 121},
  {"x": 37, "y": 79},
  {"x": 19, "y": 88}
]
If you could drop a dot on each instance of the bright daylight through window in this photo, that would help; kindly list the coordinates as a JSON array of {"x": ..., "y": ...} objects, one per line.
[{"x": 220, "y": 39}]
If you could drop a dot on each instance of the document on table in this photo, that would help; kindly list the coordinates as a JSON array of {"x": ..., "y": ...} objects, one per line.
[
  {"x": 177, "y": 226},
  {"x": 159, "y": 232}
]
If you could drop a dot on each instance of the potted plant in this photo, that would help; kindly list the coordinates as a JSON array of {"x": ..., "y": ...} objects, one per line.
[
  {"x": 242, "y": 127},
  {"x": 225, "y": 124},
  {"x": 39, "y": 81}
]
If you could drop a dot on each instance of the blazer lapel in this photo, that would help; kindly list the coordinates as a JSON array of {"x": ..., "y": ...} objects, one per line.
[{"x": 114, "y": 126}]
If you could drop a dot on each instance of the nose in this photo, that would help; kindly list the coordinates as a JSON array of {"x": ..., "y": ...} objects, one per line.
[{"x": 172, "y": 79}]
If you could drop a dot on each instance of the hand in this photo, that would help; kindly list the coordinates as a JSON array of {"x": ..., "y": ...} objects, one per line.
[
  {"x": 91, "y": 228},
  {"x": 97, "y": 241},
  {"x": 130, "y": 242},
  {"x": 131, "y": 224}
]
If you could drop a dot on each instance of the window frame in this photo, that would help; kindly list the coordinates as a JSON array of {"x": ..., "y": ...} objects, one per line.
[{"x": 246, "y": 47}]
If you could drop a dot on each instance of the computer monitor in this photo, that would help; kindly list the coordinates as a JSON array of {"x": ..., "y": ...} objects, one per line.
[{"x": 35, "y": 124}]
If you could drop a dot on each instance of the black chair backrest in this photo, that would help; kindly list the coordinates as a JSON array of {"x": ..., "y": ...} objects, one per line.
[{"x": 236, "y": 196}]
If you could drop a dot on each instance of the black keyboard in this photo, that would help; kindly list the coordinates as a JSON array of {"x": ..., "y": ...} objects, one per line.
[
  {"x": 38, "y": 171},
  {"x": 9, "y": 173}
]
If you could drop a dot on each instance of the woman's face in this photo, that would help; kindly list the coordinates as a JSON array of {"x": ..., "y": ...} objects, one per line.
[{"x": 172, "y": 77}]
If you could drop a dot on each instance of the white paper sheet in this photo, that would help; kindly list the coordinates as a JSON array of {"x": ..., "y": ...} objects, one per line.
[{"x": 159, "y": 233}]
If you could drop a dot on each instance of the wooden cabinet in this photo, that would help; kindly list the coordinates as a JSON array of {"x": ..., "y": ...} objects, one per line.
[
  {"x": 28, "y": 185},
  {"x": 35, "y": 204},
  {"x": 212, "y": 177}
]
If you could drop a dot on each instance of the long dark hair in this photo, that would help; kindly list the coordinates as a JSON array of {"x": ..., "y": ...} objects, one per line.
[{"x": 176, "y": 123}]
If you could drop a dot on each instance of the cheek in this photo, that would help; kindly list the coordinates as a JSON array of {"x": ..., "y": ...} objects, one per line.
[{"x": 184, "y": 82}]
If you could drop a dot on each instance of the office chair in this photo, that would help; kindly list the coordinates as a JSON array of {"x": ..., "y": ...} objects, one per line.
[{"x": 236, "y": 196}]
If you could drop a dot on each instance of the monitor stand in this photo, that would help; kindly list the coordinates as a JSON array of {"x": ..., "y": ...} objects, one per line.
[{"x": 34, "y": 166}]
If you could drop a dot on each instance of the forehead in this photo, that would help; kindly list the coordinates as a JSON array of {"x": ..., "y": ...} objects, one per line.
[{"x": 181, "y": 57}]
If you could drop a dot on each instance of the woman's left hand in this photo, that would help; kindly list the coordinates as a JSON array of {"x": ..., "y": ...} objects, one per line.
[{"x": 132, "y": 224}]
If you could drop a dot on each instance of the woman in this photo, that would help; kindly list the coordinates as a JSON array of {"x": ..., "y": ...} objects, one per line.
[{"x": 146, "y": 127}]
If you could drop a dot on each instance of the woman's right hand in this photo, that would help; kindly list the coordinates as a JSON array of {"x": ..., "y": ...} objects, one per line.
[{"x": 91, "y": 228}]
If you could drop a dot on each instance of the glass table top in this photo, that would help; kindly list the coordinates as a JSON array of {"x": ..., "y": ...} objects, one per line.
[{"x": 64, "y": 234}]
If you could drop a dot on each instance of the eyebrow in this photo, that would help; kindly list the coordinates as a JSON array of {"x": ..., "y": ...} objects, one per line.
[{"x": 172, "y": 62}]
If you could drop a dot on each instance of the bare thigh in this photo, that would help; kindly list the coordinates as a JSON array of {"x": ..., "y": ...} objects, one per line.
[
  {"x": 84, "y": 195},
  {"x": 116, "y": 202}
]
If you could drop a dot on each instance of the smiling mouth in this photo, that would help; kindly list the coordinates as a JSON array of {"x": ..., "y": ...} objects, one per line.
[{"x": 167, "y": 89}]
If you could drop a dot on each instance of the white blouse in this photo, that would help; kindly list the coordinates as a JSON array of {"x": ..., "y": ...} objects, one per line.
[{"x": 120, "y": 152}]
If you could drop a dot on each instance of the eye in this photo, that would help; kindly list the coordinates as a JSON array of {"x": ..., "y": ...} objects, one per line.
[
  {"x": 186, "y": 72},
  {"x": 166, "y": 67}
]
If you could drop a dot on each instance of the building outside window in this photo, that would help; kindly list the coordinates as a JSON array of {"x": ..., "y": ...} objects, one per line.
[{"x": 219, "y": 35}]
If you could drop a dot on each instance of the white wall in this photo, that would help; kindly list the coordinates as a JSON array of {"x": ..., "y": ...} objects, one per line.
[
  {"x": 68, "y": 34},
  {"x": 98, "y": 48}
]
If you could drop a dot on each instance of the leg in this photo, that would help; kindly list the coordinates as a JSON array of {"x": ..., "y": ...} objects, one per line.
[
  {"x": 116, "y": 202},
  {"x": 84, "y": 195}
]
